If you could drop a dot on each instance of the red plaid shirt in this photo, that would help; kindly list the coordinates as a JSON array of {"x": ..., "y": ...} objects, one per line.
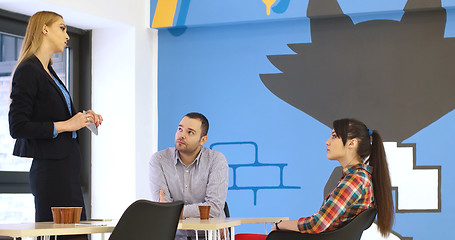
[{"x": 353, "y": 195}]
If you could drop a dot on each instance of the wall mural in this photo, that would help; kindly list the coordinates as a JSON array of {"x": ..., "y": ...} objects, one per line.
[
  {"x": 173, "y": 13},
  {"x": 251, "y": 166},
  {"x": 373, "y": 59},
  {"x": 381, "y": 71},
  {"x": 271, "y": 90}
]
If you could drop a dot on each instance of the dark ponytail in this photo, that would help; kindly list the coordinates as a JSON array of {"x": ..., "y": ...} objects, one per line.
[
  {"x": 371, "y": 147},
  {"x": 382, "y": 188}
]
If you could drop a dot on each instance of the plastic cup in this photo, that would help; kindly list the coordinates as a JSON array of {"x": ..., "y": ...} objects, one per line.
[{"x": 204, "y": 212}]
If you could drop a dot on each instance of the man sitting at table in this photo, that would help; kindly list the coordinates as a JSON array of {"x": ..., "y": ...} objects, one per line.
[{"x": 190, "y": 172}]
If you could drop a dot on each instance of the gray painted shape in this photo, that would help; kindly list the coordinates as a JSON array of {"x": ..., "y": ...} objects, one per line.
[{"x": 397, "y": 77}]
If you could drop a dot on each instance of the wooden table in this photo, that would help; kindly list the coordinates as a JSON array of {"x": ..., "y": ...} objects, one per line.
[
  {"x": 218, "y": 224},
  {"x": 213, "y": 226},
  {"x": 264, "y": 220},
  {"x": 46, "y": 229}
]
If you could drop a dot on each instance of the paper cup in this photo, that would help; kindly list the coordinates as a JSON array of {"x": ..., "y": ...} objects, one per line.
[
  {"x": 204, "y": 212},
  {"x": 77, "y": 215},
  {"x": 67, "y": 215},
  {"x": 56, "y": 214}
]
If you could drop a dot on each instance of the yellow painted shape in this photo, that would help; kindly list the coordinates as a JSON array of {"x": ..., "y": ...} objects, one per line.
[
  {"x": 164, "y": 13},
  {"x": 268, "y": 4}
]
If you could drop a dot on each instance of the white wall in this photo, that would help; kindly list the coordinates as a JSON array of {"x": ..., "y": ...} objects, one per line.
[{"x": 124, "y": 88}]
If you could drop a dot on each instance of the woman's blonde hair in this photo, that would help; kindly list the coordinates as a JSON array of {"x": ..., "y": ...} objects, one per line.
[{"x": 34, "y": 35}]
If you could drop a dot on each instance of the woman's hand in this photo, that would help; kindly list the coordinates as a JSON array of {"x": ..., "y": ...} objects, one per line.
[
  {"x": 78, "y": 121},
  {"x": 287, "y": 225},
  {"x": 94, "y": 118},
  {"x": 274, "y": 227}
]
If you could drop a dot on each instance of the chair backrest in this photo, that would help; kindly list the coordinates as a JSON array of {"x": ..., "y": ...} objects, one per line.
[
  {"x": 226, "y": 210},
  {"x": 148, "y": 220},
  {"x": 334, "y": 178},
  {"x": 351, "y": 231}
]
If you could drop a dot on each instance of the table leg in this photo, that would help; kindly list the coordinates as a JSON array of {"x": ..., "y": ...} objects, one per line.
[
  {"x": 196, "y": 234},
  {"x": 232, "y": 233},
  {"x": 210, "y": 234}
]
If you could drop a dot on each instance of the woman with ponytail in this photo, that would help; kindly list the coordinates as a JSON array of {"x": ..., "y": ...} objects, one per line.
[{"x": 365, "y": 182}]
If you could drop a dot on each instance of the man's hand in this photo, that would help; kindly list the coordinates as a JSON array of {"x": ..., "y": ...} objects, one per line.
[{"x": 162, "y": 199}]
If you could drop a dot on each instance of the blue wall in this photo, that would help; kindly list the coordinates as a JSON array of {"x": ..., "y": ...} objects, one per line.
[{"x": 214, "y": 69}]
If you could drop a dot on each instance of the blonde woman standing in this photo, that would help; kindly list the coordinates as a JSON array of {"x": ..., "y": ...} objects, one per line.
[{"x": 43, "y": 120}]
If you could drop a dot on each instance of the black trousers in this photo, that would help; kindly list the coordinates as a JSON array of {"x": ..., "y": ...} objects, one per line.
[{"x": 56, "y": 183}]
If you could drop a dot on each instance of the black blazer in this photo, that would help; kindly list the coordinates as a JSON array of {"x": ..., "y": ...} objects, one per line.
[{"x": 36, "y": 103}]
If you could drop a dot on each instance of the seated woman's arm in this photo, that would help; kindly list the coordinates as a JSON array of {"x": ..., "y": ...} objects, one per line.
[{"x": 348, "y": 192}]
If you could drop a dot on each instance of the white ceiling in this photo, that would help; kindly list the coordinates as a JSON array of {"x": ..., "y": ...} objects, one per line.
[{"x": 72, "y": 17}]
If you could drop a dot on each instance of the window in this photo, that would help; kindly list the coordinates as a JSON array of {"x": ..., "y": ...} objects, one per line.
[
  {"x": 16, "y": 201},
  {"x": 9, "y": 51}
]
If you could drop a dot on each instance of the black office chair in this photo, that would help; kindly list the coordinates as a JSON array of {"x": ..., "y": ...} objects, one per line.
[
  {"x": 352, "y": 231},
  {"x": 333, "y": 180},
  {"x": 148, "y": 220},
  {"x": 226, "y": 210}
]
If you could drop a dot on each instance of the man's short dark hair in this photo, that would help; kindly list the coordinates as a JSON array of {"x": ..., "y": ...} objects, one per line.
[{"x": 203, "y": 119}]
